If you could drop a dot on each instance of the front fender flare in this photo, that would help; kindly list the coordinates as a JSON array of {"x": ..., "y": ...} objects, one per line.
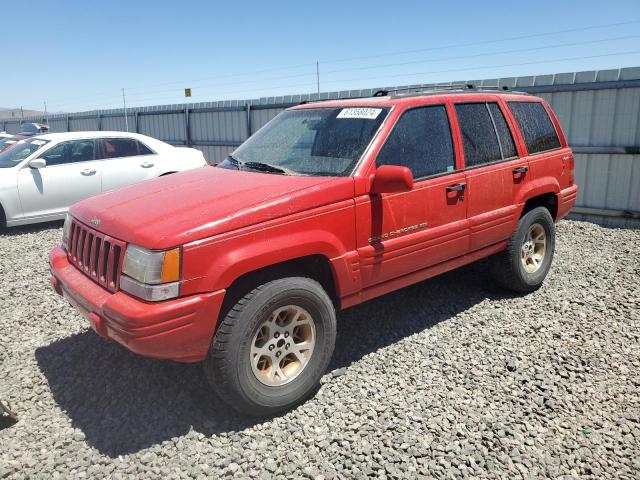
[{"x": 219, "y": 264}]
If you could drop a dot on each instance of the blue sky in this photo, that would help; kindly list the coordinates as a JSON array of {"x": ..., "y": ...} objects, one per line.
[{"x": 78, "y": 55}]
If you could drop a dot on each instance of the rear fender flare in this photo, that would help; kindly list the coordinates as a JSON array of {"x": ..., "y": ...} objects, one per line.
[{"x": 537, "y": 187}]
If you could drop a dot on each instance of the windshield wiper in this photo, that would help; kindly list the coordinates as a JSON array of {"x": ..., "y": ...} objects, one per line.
[
  {"x": 267, "y": 167},
  {"x": 234, "y": 160},
  {"x": 259, "y": 166}
]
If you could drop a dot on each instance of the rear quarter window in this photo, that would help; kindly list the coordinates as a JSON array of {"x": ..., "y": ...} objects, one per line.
[{"x": 537, "y": 128}]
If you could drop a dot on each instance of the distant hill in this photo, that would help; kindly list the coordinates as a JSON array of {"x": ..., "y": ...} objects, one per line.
[{"x": 14, "y": 113}]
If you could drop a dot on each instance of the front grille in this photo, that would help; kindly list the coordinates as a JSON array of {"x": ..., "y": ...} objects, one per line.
[{"x": 97, "y": 255}]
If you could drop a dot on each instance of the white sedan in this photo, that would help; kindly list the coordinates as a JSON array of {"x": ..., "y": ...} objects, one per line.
[{"x": 41, "y": 176}]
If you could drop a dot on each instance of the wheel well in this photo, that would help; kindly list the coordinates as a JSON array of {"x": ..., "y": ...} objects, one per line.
[
  {"x": 3, "y": 218},
  {"x": 316, "y": 267},
  {"x": 547, "y": 200}
]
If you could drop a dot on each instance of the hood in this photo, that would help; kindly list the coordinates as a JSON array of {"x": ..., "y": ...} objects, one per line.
[{"x": 196, "y": 204}]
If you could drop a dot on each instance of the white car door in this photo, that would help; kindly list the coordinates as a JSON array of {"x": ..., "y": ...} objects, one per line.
[
  {"x": 71, "y": 174},
  {"x": 126, "y": 161}
]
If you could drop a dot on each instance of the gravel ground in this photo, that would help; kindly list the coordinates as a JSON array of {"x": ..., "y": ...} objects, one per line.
[{"x": 448, "y": 378}]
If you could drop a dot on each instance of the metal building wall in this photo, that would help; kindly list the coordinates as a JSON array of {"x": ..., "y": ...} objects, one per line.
[
  {"x": 606, "y": 120},
  {"x": 599, "y": 112}
]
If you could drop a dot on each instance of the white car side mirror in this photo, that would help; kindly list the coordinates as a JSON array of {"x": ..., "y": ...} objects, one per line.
[{"x": 38, "y": 163}]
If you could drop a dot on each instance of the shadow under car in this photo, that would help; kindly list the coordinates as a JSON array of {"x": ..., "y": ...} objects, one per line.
[{"x": 124, "y": 403}]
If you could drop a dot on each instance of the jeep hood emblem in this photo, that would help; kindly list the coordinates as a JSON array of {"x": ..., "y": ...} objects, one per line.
[{"x": 95, "y": 221}]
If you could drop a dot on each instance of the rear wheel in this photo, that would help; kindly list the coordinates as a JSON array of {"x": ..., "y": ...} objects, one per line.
[
  {"x": 524, "y": 265},
  {"x": 273, "y": 346},
  {"x": 3, "y": 220}
]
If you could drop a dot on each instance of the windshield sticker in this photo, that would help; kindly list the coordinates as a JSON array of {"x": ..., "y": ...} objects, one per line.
[
  {"x": 366, "y": 113},
  {"x": 39, "y": 142}
]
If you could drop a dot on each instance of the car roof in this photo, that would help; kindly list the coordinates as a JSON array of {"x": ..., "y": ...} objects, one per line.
[
  {"x": 82, "y": 135},
  {"x": 388, "y": 99}
]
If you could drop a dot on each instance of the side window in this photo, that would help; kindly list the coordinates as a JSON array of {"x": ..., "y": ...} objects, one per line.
[
  {"x": 55, "y": 155},
  {"x": 121, "y": 147},
  {"x": 81, "y": 151},
  {"x": 479, "y": 138},
  {"x": 421, "y": 141},
  {"x": 143, "y": 149},
  {"x": 504, "y": 134},
  {"x": 536, "y": 126},
  {"x": 70, "y": 152}
]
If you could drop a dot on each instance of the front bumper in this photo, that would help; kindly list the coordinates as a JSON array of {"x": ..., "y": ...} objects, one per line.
[{"x": 179, "y": 329}]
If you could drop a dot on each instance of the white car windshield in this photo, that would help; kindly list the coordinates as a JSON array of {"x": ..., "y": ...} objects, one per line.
[
  {"x": 318, "y": 141},
  {"x": 16, "y": 153}
]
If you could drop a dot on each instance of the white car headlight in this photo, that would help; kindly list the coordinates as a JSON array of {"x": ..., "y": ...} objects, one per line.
[
  {"x": 151, "y": 275},
  {"x": 66, "y": 228}
]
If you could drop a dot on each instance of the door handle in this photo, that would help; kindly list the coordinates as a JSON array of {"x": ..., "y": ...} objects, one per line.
[
  {"x": 87, "y": 172},
  {"x": 519, "y": 170},
  {"x": 146, "y": 165},
  {"x": 460, "y": 187}
]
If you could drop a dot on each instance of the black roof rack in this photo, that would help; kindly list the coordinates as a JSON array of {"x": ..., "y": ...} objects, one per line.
[
  {"x": 305, "y": 102},
  {"x": 467, "y": 87}
]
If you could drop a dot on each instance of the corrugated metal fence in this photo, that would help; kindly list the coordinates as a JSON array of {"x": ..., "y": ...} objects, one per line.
[{"x": 599, "y": 110}]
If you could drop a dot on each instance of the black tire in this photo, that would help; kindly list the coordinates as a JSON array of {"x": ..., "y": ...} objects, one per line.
[
  {"x": 3, "y": 220},
  {"x": 228, "y": 367},
  {"x": 507, "y": 268}
]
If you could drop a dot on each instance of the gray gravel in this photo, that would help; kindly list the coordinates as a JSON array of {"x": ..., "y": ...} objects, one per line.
[{"x": 448, "y": 378}]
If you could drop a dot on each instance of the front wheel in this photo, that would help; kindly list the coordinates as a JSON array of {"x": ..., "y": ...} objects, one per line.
[
  {"x": 273, "y": 346},
  {"x": 524, "y": 265}
]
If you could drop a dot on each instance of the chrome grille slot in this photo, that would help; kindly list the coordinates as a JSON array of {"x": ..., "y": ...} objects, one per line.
[
  {"x": 104, "y": 262},
  {"x": 96, "y": 255},
  {"x": 116, "y": 261},
  {"x": 86, "y": 253}
]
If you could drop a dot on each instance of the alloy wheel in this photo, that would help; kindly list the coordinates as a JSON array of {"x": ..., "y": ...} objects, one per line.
[
  {"x": 283, "y": 345},
  {"x": 533, "y": 248}
]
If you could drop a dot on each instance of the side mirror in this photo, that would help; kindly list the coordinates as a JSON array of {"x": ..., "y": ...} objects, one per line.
[
  {"x": 38, "y": 163},
  {"x": 391, "y": 179}
]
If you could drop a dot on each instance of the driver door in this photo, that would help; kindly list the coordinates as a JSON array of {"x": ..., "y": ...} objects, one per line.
[
  {"x": 400, "y": 233},
  {"x": 71, "y": 174}
]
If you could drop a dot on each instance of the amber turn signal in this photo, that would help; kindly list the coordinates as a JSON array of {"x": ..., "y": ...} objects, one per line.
[{"x": 171, "y": 266}]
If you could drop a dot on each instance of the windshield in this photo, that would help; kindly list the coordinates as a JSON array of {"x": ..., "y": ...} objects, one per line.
[
  {"x": 320, "y": 141},
  {"x": 7, "y": 142},
  {"x": 14, "y": 154}
]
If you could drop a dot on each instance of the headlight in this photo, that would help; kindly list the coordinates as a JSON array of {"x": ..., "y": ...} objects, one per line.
[
  {"x": 151, "y": 275},
  {"x": 66, "y": 228}
]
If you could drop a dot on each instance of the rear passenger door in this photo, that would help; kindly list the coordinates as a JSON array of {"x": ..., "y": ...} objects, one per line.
[
  {"x": 494, "y": 172},
  {"x": 126, "y": 161},
  {"x": 546, "y": 157},
  {"x": 400, "y": 233}
]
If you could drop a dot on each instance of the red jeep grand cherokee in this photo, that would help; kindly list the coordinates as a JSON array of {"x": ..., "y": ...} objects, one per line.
[{"x": 243, "y": 265}]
